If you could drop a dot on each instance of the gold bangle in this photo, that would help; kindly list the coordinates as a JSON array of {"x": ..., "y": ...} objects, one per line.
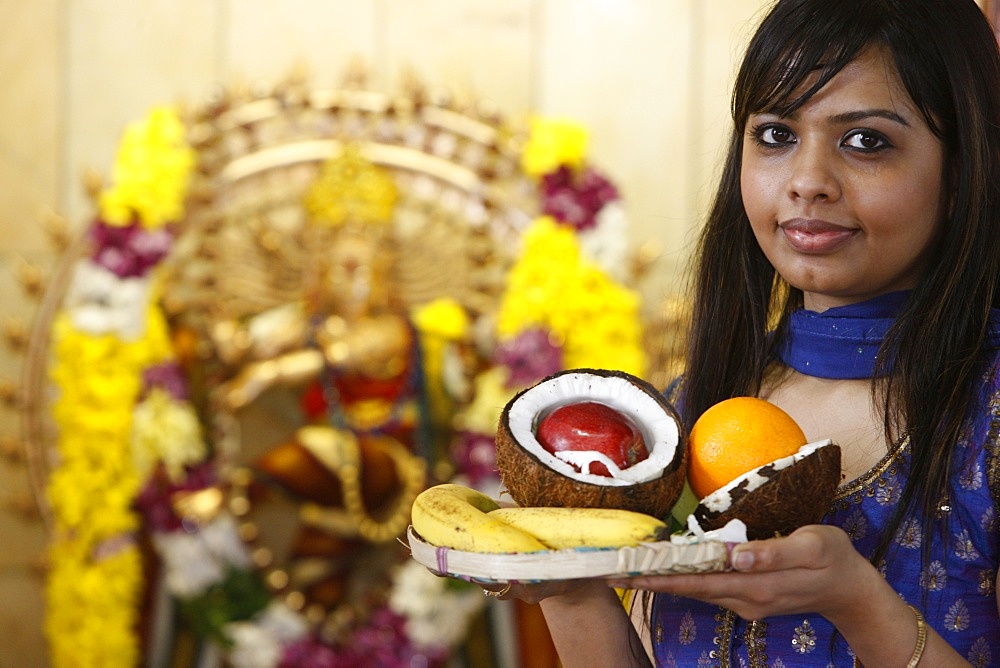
[{"x": 918, "y": 650}]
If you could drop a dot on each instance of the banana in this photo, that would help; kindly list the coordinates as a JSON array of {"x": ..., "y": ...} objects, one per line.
[
  {"x": 561, "y": 528},
  {"x": 456, "y": 517}
]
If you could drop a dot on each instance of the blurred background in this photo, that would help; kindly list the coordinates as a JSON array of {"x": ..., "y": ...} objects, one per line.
[{"x": 649, "y": 79}]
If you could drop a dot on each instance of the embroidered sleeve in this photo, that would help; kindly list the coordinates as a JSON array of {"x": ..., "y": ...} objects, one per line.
[{"x": 992, "y": 442}]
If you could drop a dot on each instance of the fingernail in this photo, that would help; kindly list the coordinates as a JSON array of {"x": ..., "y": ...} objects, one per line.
[{"x": 743, "y": 559}]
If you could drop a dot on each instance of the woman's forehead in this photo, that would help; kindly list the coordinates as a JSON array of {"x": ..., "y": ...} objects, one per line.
[{"x": 799, "y": 83}]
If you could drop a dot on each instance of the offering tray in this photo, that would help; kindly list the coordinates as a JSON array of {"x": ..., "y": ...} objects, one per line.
[{"x": 658, "y": 558}]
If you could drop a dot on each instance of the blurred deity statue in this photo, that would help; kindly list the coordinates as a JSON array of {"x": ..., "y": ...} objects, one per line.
[{"x": 351, "y": 354}]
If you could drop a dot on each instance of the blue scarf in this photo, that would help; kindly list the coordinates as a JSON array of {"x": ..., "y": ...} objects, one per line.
[{"x": 843, "y": 342}]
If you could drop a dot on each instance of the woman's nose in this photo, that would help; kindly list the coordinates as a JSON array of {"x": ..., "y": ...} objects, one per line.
[{"x": 813, "y": 174}]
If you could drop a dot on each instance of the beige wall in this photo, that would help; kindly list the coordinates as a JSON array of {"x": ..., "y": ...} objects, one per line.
[{"x": 649, "y": 77}]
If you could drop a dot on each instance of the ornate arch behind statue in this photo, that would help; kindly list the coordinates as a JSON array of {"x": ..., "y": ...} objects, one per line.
[{"x": 193, "y": 366}]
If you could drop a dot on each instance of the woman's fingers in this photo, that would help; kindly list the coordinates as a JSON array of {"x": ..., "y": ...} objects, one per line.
[
  {"x": 808, "y": 547},
  {"x": 776, "y": 576}
]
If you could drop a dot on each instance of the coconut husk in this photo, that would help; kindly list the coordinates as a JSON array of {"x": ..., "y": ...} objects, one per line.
[
  {"x": 531, "y": 483},
  {"x": 795, "y": 496}
]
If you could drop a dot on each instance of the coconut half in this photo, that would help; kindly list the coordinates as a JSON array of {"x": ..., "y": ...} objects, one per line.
[
  {"x": 535, "y": 477},
  {"x": 777, "y": 498}
]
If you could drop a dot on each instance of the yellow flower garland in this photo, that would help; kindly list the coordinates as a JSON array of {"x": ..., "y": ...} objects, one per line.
[
  {"x": 553, "y": 143},
  {"x": 93, "y": 607},
  {"x": 553, "y": 286},
  {"x": 150, "y": 175},
  {"x": 95, "y": 567},
  {"x": 95, "y": 582}
]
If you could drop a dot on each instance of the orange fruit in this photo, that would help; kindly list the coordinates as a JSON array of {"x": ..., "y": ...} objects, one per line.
[{"x": 736, "y": 436}]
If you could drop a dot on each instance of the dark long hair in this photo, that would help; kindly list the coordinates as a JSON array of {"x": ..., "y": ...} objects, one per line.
[{"x": 946, "y": 55}]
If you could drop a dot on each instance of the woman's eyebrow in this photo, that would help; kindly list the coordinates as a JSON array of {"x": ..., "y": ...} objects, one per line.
[
  {"x": 846, "y": 117},
  {"x": 865, "y": 114}
]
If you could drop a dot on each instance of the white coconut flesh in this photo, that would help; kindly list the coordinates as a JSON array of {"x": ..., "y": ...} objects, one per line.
[
  {"x": 659, "y": 429},
  {"x": 721, "y": 499}
]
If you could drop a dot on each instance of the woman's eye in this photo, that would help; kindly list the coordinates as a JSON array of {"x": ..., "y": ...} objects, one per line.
[
  {"x": 773, "y": 135},
  {"x": 866, "y": 140}
]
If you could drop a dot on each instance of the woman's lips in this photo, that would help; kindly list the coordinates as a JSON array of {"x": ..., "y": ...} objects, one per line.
[{"x": 815, "y": 236}]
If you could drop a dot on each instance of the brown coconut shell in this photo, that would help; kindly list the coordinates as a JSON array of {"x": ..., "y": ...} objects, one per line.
[
  {"x": 531, "y": 483},
  {"x": 795, "y": 496}
]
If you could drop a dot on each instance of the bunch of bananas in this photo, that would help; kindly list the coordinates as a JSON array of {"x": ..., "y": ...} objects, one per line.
[{"x": 462, "y": 518}]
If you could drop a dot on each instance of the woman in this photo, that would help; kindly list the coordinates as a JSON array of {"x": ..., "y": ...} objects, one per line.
[{"x": 848, "y": 273}]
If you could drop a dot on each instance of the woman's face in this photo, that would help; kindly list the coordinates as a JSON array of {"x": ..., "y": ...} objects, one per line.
[{"x": 846, "y": 194}]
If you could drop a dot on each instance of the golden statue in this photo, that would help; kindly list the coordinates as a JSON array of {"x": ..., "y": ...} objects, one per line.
[{"x": 351, "y": 354}]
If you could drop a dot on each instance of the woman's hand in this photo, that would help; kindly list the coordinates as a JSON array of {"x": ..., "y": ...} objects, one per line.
[{"x": 815, "y": 569}]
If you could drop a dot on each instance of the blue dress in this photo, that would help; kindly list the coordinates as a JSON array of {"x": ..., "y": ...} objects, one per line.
[{"x": 955, "y": 591}]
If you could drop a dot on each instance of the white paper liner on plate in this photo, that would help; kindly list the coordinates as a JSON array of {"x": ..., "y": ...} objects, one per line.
[{"x": 659, "y": 558}]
